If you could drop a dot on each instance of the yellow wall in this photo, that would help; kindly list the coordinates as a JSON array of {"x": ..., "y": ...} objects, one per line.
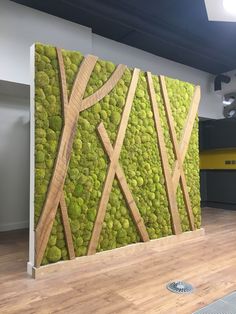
[{"x": 218, "y": 159}]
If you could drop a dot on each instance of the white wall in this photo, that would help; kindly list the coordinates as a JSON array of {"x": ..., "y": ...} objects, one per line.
[
  {"x": 14, "y": 163},
  {"x": 210, "y": 106},
  {"x": 20, "y": 27}
]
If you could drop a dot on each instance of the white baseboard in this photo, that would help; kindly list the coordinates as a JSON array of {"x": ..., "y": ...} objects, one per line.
[{"x": 14, "y": 226}]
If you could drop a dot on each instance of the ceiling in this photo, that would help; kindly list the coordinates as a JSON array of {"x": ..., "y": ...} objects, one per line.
[{"x": 174, "y": 29}]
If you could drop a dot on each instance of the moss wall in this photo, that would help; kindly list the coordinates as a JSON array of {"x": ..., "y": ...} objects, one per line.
[{"x": 88, "y": 164}]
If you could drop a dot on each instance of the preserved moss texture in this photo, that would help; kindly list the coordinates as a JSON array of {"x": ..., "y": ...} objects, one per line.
[
  {"x": 142, "y": 165},
  {"x": 88, "y": 165}
]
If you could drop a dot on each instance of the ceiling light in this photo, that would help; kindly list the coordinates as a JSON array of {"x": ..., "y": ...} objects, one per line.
[
  {"x": 221, "y": 10},
  {"x": 228, "y": 102},
  {"x": 230, "y": 6}
]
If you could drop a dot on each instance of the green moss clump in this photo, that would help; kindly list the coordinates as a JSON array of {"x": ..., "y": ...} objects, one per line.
[
  {"x": 55, "y": 123},
  {"x": 115, "y": 117},
  {"x": 110, "y": 67},
  {"x": 50, "y": 52},
  {"x": 40, "y": 156},
  {"x": 74, "y": 209},
  {"x": 41, "y": 79},
  {"x": 54, "y": 254}
]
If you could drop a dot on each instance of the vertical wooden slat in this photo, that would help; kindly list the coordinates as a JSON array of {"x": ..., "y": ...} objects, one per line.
[
  {"x": 71, "y": 110},
  {"x": 113, "y": 165},
  {"x": 176, "y": 226},
  {"x": 124, "y": 186},
  {"x": 62, "y": 75},
  {"x": 173, "y": 136},
  {"x": 186, "y": 135},
  {"x": 67, "y": 229}
]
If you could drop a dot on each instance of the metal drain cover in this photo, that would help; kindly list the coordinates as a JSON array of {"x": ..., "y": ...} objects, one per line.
[{"x": 179, "y": 287}]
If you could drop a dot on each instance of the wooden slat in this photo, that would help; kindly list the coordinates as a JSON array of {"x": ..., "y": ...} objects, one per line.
[
  {"x": 186, "y": 135},
  {"x": 47, "y": 217},
  {"x": 105, "y": 89},
  {"x": 67, "y": 229},
  {"x": 176, "y": 226},
  {"x": 173, "y": 136},
  {"x": 124, "y": 185},
  {"x": 64, "y": 92},
  {"x": 113, "y": 165},
  {"x": 140, "y": 248}
]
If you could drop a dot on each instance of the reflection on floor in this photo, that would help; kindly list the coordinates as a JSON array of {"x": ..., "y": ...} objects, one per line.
[
  {"x": 134, "y": 282},
  {"x": 13, "y": 253}
]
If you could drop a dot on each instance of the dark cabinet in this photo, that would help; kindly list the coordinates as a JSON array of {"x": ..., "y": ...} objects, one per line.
[
  {"x": 217, "y": 134},
  {"x": 218, "y": 186}
]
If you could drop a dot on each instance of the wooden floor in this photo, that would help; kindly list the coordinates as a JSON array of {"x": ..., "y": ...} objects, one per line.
[{"x": 134, "y": 282}]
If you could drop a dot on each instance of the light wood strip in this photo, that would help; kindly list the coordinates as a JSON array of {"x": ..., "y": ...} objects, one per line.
[
  {"x": 186, "y": 135},
  {"x": 124, "y": 185},
  {"x": 113, "y": 165},
  {"x": 173, "y": 136},
  {"x": 105, "y": 89},
  {"x": 67, "y": 229},
  {"x": 176, "y": 226},
  {"x": 81, "y": 81},
  {"x": 47, "y": 217},
  {"x": 62, "y": 75},
  {"x": 156, "y": 245}
]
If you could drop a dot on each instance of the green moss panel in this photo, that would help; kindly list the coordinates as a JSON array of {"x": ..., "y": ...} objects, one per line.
[
  {"x": 142, "y": 165},
  {"x": 48, "y": 120},
  {"x": 88, "y": 165}
]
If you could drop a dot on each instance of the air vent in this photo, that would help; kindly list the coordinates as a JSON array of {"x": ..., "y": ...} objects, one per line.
[{"x": 180, "y": 287}]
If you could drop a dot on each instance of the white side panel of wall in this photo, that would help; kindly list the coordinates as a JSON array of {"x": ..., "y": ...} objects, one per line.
[
  {"x": 210, "y": 106},
  {"x": 14, "y": 163},
  {"x": 20, "y": 27}
]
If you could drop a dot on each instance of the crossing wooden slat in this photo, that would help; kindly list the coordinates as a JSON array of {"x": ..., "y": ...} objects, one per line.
[
  {"x": 47, "y": 217},
  {"x": 124, "y": 186},
  {"x": 67, "y": 229},
  {"x": 62, "y": 75},
  {"x": 173, "y": 136},
  {"x": 186, "y": 135},
  {"x": 113, "y": 165},
  {"x": 176, "y": 226},
  {"x": 105, "y": 89}
]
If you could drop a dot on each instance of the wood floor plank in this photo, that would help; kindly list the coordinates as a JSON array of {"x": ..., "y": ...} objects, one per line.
[{"x": 130, "y": 282}]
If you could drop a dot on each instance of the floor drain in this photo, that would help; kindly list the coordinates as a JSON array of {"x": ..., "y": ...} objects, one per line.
[{"x": 179, "y": 287}]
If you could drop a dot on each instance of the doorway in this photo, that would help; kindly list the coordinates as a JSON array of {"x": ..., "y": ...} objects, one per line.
[{"x": 14, "y": 174}]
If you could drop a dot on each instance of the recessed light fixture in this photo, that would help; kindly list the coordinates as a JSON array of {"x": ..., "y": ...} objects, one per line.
[
  {"x": 221, "y": 10},
  {"x": 230, "y": 6},
  {"x": 228, "y": 102}
]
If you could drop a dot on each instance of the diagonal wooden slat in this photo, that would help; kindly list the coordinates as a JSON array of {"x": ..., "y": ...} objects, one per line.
[
  {"x": 47, "y": 217},
  {"x": 113, "y": 164},
  {"x": 173, "y": 136},
  {"x": 67, "y": 229},
  {"x": 105, "y": 89},
  {"x": 64, "y": 93},
  {"x": 124, "y": 185},
  {"x": 176, "y": 226},
  {"x": 71, "y": 109},
  {"x": 186, "y": 135}
]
